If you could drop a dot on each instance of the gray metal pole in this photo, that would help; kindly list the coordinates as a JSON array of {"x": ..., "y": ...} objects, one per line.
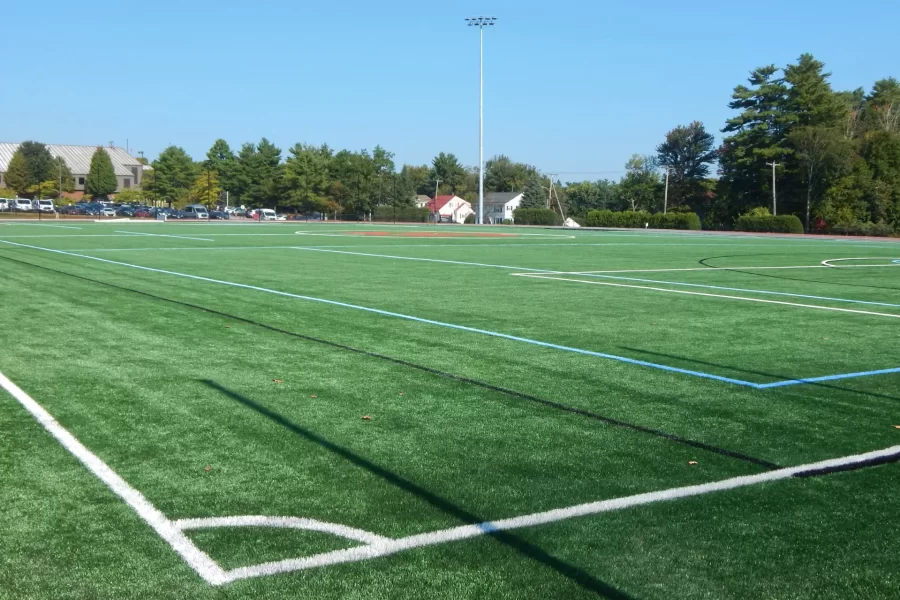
[
  {"x": 774, "y": 195},
  {"x": 481, "y": 127},
  {"x": 666, "y": 199}
]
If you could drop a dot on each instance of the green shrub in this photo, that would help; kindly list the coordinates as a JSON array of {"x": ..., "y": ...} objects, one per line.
[
  {"x": 678, "y": 220},
  {"x": 470, "y": 220},
  {"x": 639, "y": 219},
  {"x": 507, "y": 221},
  {"x": 405, "y": 214},
  {"x": 770, "y": 224},
  {"x": 879, "y": 229},
  {"x": 536, "y": 216}
]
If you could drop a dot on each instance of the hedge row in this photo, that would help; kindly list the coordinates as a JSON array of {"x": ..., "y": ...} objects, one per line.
[
  {"x": 879, "y": 229},
  {"x": 536, "y": 216},
  {"x": 770, "y": 224},
  {"x": 639, "y": 219},
  {"x": 405, "y": 214}
]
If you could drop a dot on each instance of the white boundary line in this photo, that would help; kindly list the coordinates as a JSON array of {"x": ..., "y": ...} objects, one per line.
[
  {"x": 374, "y": 545},
  {"x": 392, "y": 546},
  {"x": 193, "y": 556},
  {"x": 827, "y": 263},
  {"x": 46, "y": 225},
  {"x": 709, "y": 269},
  {"x": 552, "y": 277},
  {"x": 180, "y": 237}
]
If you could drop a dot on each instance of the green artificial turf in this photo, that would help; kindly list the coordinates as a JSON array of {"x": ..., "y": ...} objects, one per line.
[{"x": 214, "y": 400}]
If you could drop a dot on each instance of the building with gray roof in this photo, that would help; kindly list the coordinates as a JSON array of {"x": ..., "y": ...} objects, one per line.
[{"x": 129, "y": 170}]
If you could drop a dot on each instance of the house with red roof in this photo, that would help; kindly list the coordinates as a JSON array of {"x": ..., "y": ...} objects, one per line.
[{"x": 452, "y": 209}]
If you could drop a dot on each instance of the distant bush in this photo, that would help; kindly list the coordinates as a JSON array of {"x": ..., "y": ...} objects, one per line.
[
  {"x": 507, "y": 221},
  {"x": 470, "y": 220},
  {"x": 770, "y": 224},
  {"x": 679, "y": 220},
  {"x": 405, "y": 214},
  {"x": 879, "y": 229},
  {"x": 536, "y": 216},
  {"x": 639, "y": 219}
]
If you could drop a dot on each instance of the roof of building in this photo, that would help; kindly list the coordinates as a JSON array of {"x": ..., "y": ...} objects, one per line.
[
  {"x": 439, "y": 202},
  {"x": 78, "y": 158},
  {"x": 500, "y": 197}
]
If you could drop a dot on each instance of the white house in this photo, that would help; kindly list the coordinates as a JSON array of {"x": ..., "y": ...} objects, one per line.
[
  {"x": 422, "y": 201},
  {"x": 451, "y": 208},
  {"x": 500, "y": 205}
]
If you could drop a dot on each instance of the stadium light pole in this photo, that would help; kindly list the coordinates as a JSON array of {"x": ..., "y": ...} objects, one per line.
[
  {"x": 481, "y": 23},
  {"x": 774, "y": 197}
]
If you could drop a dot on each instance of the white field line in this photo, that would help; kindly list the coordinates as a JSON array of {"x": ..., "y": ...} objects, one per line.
[
  {"x": 392, "y": 546},
  {"x": 827, "y": 263},
  {"x": 193, "y": 556},
  {"x": 419, "y": 259},
  {"x": 180, "y": 237},
  {"x": 709, "y": 269},
  {"x": 350, "y": 533},
  {"x": 443, "y": 234},
  {"x": 685, "y": 292},
  {"x": 46, "y": 225}
]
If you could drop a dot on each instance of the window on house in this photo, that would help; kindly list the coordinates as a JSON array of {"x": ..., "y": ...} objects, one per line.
[
  {"x": 126, "y": 183},
  {"x": 81, "y": 181}
]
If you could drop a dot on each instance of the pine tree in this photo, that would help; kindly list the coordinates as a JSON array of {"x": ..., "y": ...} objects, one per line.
[
  {"x": 534, "y": 196},
  {"x": 101, "y": 178},
  {"x": 17, "y": 173}
]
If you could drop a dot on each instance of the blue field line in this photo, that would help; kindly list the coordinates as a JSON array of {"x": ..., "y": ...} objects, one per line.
[
  {"x": 778, "y": 384},
  {"x": 622, "y": 359},
  {"x": 731, "y": 289}
]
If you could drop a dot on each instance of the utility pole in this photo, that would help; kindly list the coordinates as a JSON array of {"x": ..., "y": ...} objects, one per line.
[
  {"x": 481, "y": 23},
  {"x": 666, "y": 198},
  {"x": 774, "y": 196},
  {"x": 437, "y": 185}
]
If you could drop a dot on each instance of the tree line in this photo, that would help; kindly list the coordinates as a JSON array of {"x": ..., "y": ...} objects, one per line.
[
  {"x": 833, "y": 157},
  {"x": 33, "y": 172}
]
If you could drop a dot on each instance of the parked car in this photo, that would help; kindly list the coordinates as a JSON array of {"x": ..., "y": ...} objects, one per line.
[
  {"x": 45, "y": 206},
  {"x": 4, "y": 204},
  {"x": 196, "y": 211},
  {"x": 108, "y": 211},
  {"x": 20, "y": 204},
  {"x": 266, "y": 214},
  {"x": 125, "y": 212},
  {"x": 143, "y": 213},
  {"x": 219, "y": 215}
]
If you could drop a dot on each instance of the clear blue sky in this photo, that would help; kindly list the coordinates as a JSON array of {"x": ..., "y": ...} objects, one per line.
[{"x": 571, "y": 86}]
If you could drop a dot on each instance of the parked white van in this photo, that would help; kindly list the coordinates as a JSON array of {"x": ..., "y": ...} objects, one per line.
[
  {"x": 195, "y": 211},
  {"x": 4, "y": 204},
  {"x": 266, "y": 214},
  {"x": 20, "y": 204},
  {"x": 45, "y": 206}
]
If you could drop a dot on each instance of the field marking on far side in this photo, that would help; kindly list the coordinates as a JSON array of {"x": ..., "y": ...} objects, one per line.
[
  {"x": 198, "y": 560},
  {"x": 727, "y": 297},
  {"x": 180, "y": 237},
  {"x": 46, "y": 225},
  {"x": 379, "y": 548}
]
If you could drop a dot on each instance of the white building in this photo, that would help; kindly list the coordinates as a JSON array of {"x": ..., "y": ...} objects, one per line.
[
  {"x": 451, "y": 208},
  {"x": 500, "y": 205},
  {"x": 129, "y": 171}
]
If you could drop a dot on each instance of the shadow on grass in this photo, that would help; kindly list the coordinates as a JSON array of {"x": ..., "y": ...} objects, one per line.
[
  {"x": 525, "y": 548},
  {"x": 775, "y": 376},
  {"x": 452, "y": 376}
]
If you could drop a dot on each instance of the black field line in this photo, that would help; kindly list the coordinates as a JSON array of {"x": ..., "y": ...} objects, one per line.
[{"x": 474, "y": 382}]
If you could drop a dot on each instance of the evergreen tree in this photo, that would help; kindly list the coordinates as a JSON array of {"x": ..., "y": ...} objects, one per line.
[
  {"x": 688, "y": 152},
  {"x": 534, "y": 196},
  {"x": 758, "y": 135},
  {"x": 173, "y": 175},
  {"x": 17, "y": 173},
  {"x": 101, "y": 178},
  {"x": 41, "y": 165},
  {"x": 306, "y": 178},
  {"x": 221, "y": 159}
]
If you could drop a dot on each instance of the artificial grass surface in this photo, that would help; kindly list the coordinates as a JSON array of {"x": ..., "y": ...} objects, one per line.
[{"x": 160, "y": 390}]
